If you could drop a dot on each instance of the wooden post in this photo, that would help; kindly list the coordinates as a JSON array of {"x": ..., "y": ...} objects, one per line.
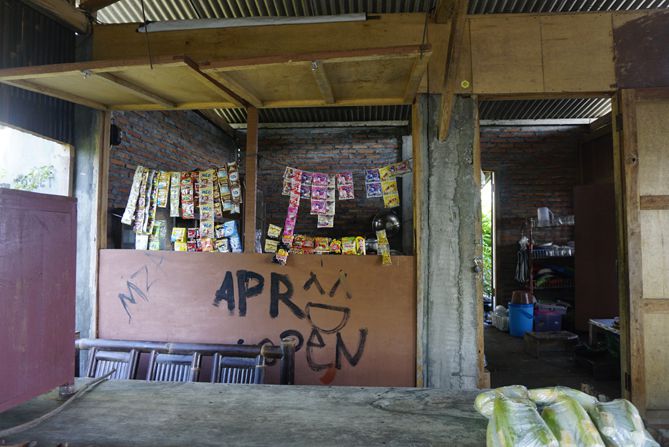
[
  {"x": 251, "y": 180},
  {"x": 287, "y": 373}
]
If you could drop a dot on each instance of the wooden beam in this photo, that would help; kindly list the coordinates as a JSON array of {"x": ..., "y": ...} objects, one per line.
[
  {"x": 218, "y": 120},
  {"x": 135, "y": 89},
  {"x": 250, "y": 180},
  {"x": 26, "y": 85},
  {"x": 237, "y": 88},
  {"x": 416, "y": 75},
  {"x": 214, "y": 85},
  {"x": 95, "y": 5},
  {"x": 63, "y": 12},
  {"x": 322, "y": 81},
  {"x": 452, "y": 62},
  {"x": 444, "y": 11}
]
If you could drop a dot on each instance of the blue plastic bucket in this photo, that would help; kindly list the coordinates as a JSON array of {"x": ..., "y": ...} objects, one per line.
[{"x": 521, "y": 319}]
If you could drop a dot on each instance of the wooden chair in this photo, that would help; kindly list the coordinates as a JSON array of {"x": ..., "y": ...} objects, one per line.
[
  {"x": 101, "y": 362},
  {"x": 174, "y": 367},
  {"x": 240, "y": 370}
]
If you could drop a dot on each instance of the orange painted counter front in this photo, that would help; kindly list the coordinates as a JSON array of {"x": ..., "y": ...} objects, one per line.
[{"x": 355, "y": 319}]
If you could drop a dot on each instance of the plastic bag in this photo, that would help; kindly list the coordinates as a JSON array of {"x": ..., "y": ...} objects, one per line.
[
  {"x": 517, "y": 424},
  {"x": 570, "y": 424},
  {"x": 485, "y": 401},
  {"x": 549, "y": 396},
  {"x": 620, "y": 425}
]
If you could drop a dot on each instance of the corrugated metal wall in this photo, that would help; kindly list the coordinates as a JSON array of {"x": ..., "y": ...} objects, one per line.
[{"x": 29, "y": 38}]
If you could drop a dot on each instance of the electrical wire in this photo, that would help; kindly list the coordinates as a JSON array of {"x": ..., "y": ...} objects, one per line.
[{"x": 146, "y": 34}]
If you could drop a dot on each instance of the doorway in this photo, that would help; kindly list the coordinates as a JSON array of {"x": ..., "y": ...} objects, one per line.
[
  {"x": 488, "y": 243},
  {"x": 563, "y": 166}
]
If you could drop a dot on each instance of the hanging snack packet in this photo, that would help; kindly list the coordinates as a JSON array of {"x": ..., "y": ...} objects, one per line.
[
  {"x": 271, "y": 246},
  {"x": 391, "y": 200},
  {"x": 219, "y": 231},
  {"x": 206, "y": 244},
  {"x": 383, "y": 247},
  {"x": 180, "y": 246},
  {"x": 344, "y": 178},
  {"x": 346, "y": 192},
  {"x": 319, "y": 192},
  {"x": 175, "y": 183},
  {"x": 193, "y": 234},
  {"x": 141, "y": 242},
  {"x": 335, "y": 246},
  {"x": 195, "y": 178},
  {"x": 319, "y": 179},
  {"x": 187, "y": 199},
  {"x": 322, "y": 245},
  {"x": 235, "y": 244},
  {"x": 218, "y": 208},
  {"x": 222, "y": 245},
  {"x": 273, "y": 231},
  {"x": 178, "y": 234},
  {"x": 141, "y": 203},
  {"x": 318, "y": 206},
  {"x": 373, "y": 190},
  {"x": 207, "y": 213},
  {"x": 230, "y": 228},
  {"x": 402, "y": 167},
  {"x": 385, "y": 173},
  {"x": 360, "y": 247},
  {"x": 325, "y": 221},
  {"x": 389, "y": 186},
  {"x": 163, "y": 188},
  {"x": 150, "y": 213},
  {"x": 129, "y": 213},
  {"x": 281, "y": 255},
  {"x": 372, "y": 176}
]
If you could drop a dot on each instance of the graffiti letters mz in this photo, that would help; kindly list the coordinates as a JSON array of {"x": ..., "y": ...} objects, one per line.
[{"x": 321, "y": 334}]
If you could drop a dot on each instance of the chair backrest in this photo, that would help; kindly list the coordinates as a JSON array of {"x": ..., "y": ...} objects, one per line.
[
  {"x": 174, "y": 367},
  {"x": 242, "y": 370},
  {"x": 102, "y": 362}
]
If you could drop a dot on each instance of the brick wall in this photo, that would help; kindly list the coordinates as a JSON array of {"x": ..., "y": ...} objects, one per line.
[
  {"x": 330, "y": 151},
  {"x": 178, "y": 141},
  {"x": 534, "y": 167}
]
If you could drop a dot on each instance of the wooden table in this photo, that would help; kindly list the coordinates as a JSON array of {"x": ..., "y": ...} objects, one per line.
[
  {"x": 137, "y": 413},
  {"x": 597, "y": 326}
]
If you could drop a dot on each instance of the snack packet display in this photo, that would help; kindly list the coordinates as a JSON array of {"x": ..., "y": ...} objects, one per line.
[
  {"x": 391, "y": 200},
  {"x": 206, "y": 244},
  {"x": 133, "y": 197},
  {"x": 273, "y": 231},
  {"x": 175, "y": 183},
  {"x": 325, "y": 221},
  {"x": 151, "y": 194},
  {"x": 360, "y": 246},
  {"x": 218, "y": 207},
  {"x": 384, "y": 247},
  {"x": 180, "y": 246},
  {"x": 230, "y": 228},
  {"x": 141, "y": 203},
  {"x": 322, "y": 245},
  {"x": 373, "y": 190},
  {"x": 207, "y": 216},
  {"x": 281, "y": 255},
  {"x": 141, "y": 241},
  {"x": 222, "y": 245},
  {"x": 235, "y": 244},
  {"x": 335, "y": 246}
]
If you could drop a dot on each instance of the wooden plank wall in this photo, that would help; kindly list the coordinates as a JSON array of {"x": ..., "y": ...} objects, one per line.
[{"x": 363, "y": 335}]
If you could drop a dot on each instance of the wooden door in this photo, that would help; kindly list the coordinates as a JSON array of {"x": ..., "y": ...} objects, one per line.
[{"x": 645, "y": 192}]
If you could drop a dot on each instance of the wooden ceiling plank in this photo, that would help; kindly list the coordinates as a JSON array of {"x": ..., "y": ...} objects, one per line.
[
  {"x": 452, "y": 62},
  {"x": 237, "y": 88},
  {"x": 444, "y": 11},
  {"x": 27, "y": 85},
  {"x": 63, "y": 12},
  {"x": 214, "y": 85},
  {"x": 366, "y": 54},
  {"x": 415, "y": 77},
  {"x": 135, "y": 89},
  {"x": 322, "y": 81},
  {"x": 95, "y": 5}
]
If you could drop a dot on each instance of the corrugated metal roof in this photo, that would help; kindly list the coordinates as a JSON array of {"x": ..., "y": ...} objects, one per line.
[
  {"x": 525, "y": 110},
  {"x": 322, "y": 114},
  {"x": 127, "y": 11},
  {"x": 542, "y": 109}
]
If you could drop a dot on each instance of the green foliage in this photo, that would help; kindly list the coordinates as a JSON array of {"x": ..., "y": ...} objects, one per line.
[
  {"x": 35, "y": 179},
  {"x": 486, "y": 224}
]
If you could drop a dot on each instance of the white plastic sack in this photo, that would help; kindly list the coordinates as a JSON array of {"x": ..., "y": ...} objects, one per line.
[
  {"x": 549, "y": 396},
  {"x": 517, "y": 424},
  {"x": 570, "y": 424},
  {"x": 620, "y": 425},
  {"x": 485, "y": 401}
]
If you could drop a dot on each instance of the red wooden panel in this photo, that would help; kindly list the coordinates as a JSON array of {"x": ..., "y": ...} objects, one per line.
[{"x": 37, "y": 294}]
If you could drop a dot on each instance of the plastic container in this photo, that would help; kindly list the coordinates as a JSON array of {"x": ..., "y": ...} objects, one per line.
[
  {"x": 521, "y": 319},
  {"x": 501, "y": 322},
  {"x": 547, "y": 320}
]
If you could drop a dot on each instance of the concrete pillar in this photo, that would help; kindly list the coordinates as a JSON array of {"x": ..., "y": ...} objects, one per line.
[
  {"x": 407, "y": 199},
  {"x": 449, "y": 204},
  {"x": 90, "y": 190}
]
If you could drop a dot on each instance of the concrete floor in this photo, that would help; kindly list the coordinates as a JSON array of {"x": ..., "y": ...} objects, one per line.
[
  {"x": 137, "y": 413},
  {"x": 509, "y": 364}
]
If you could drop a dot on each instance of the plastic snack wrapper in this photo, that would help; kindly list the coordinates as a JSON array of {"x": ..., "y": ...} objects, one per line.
[
  {"x": 385, "y": 173},
  {"x": 325, "y": 221},
  {"x": 348, "y": 245},
  {"x": 401, "y": 168},
  {"x": 346, "y": 192},
  {"x": 175, "y": 183},
  {"x": 319, "y": 193},
  {"x": 180, "y": 246},
  {"x": 484, "y": 402},
  {"x": 230, "y": 228},
  {"x": 141, "y": 242},
  {"x": 222, "y": 245},
  {"x": 516, "y": 423},
  {"x": 318, "y": 206},
  {"x": 163, "y": 188},
  {"x": 235, "y": 244},
  {"x": 322, "y": 244},
  {"x": 550, "y": 395},
  {"x": 218, "y": 207},
  {"x": 193, "y": 233},
  {"x": 384, "y": 247},
  {"x": 178, "y": 234},
  {"x": 187, "y": 196},
  {"x": 207, "y": 244},
  {"x": 273, "y": 231},
  {"x": 373, "y": 190},
  {"x": 389, "y": 186},
  {"x": 141, "y": 203},
  {"x": 335, "y": 246},
  {"x": 319, "y": 179},
  {"x": 571, "y": 424},
  {"x": 372, "y": 176},
  {"x": 271, "y": 246},
  {"x": 391, "y": 200},
  {"x": 131, "y": 206},
  {"x": 620, "y": 424},
  {"x": 281, "y": 255},
  {"x": 151, "y": 194}
]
